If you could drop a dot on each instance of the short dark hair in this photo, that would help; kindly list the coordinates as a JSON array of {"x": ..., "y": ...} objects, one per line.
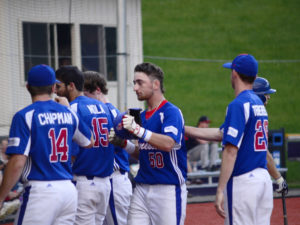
[
  {"x": 247, "y": 79},
  {"x": 152, "y": 71},
  {"x": 68, "y": 74},
  {"x": 92, "y": 80},
  {"x": 33, "y": 90}
]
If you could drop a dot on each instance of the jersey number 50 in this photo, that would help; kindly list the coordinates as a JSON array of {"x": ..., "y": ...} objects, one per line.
[{"x": 156, "y": 159}]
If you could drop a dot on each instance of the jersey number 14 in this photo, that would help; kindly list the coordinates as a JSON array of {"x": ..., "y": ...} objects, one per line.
[{"x": 59, "y": 145}]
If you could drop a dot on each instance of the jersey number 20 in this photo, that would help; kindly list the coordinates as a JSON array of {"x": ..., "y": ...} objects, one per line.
[
  {"x": 261, "y": 135},
  {"x": 59, "y": 145}
]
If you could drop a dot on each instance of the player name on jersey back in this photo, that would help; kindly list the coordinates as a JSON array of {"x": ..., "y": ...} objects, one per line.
[
  {"x": 259, "y": 110},
  {"x": 95, "y": 110},
  {"x": 58, "y": 117}
]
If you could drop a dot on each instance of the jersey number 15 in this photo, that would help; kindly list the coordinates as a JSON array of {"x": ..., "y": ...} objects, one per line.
[{"x": 100, "y": 131}]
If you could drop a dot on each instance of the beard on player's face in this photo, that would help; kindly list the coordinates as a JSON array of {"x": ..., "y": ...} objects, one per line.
[
  {"x": 145, "y": 94},
  {"x": 64, "y": 93}
]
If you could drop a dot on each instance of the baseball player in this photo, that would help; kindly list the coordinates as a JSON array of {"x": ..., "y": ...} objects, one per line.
[
  {"x": 92, "y": 168},
  {"x": 262, "y": 88},
  {"x": 121, "y": 188},
  {"x": 40, "y": 138},
  {"x": 244, "y": 183},
  {"x": 160, "y": 194}
]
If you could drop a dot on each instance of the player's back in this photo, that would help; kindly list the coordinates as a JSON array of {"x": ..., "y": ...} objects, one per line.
[
  {"x": 45, "y": 130},
  {"x": 97, "y": 161},
  {"x": 252, "y": 128},
  {"x": 157, "y": 166}
]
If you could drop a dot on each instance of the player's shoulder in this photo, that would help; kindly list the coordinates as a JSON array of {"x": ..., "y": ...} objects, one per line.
[
  {"x": 241, "y": 99},
  {"x": 81, "y": 102},
  {"x": 22, "y": 112},
  {"x": 114, "y": 111},
  {"x": 245, "y": 97},
  {"x": 171, "y": 109},
  {"x": 168, "y": 106},
  {"x": 37, "y": 106},
  {"x": 111, "y": 107}
]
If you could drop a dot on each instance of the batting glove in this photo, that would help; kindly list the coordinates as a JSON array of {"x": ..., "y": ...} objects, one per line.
[
  {"x": 122, "y": 143},
  {"x": 130, "y": 125},
  {"x": 282, "y": 186},
  {"x": 115, "y": 140}
]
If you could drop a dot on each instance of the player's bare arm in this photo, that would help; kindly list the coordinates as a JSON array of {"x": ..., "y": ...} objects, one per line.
[
  {"x": 87, "y": 144},
  {"x": 228, "y": 160},
  {"x": 272, "y": 167},
  {"x": 12, "y": 174},
  {"x": 162, "y": 142},
  {"x": 92, "y": 142},
  {"x": 281, "y": 182},
  {"x": 208, "y": 134}
]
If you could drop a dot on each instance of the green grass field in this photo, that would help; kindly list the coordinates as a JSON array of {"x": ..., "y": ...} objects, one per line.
[{"x": 215, "y": 32}]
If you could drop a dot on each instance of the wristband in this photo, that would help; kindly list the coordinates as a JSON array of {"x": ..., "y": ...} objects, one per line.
[
  {"x": 139, "y": 131},
  {"x": 130, "y": 147},
  {"x": 142, "y": 133},
  {"x": 147, "y": 135}
]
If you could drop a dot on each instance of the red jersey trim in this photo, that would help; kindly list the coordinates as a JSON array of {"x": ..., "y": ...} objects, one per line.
[{"x": 150, "y": 113}]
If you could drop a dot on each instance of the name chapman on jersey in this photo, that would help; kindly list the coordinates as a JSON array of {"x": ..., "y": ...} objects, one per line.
[
  {"x": 55, "y": 118},
  {"x": 65, "y": 117}
]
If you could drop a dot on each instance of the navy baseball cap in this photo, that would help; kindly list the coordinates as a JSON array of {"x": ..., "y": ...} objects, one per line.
[
  {"x": 261, "y": 86},
  {"x": 244, "y": 64},
  {"x": 41, "y": 75}
]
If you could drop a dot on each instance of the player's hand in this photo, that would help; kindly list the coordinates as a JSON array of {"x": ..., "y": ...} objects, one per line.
[
  {"x": 115, "y": 140},
  {"x": 130, "y": 125},
  {"x": 282, "y": 186},
  {"x": 62, "y": 101},
  {"x": 219, "y": 203}
]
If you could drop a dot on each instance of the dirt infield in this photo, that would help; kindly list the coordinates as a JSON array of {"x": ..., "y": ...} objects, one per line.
[{"x": 205, "y": 214}]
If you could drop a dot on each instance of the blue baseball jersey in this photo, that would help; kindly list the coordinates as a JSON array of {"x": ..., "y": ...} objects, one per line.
[
  {"x": 121, "y": 156},
  {"x": 98, "y": 160},
  {"x": 157, "y": 166},
  {"x": 246, "y": 127},
  {"x": 43, "y": 131}
]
